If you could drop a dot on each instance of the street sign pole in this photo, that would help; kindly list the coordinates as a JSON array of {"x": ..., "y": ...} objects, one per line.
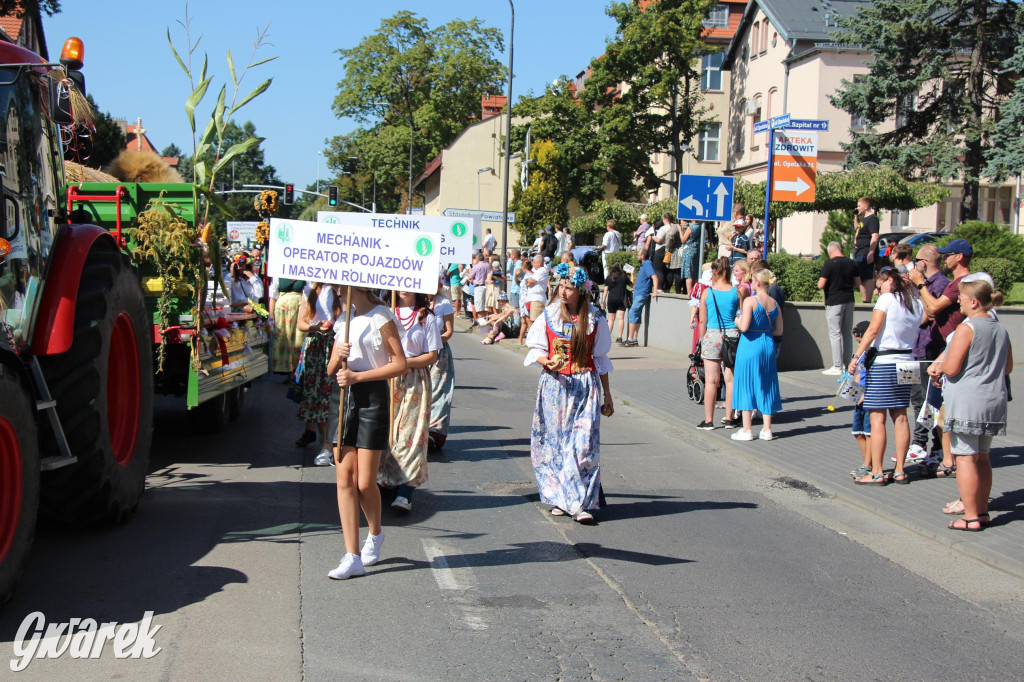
[{"x": 768, "y": 191}]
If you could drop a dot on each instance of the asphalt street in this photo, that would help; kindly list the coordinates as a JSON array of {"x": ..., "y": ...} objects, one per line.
[{"x": 704, "y": 565}]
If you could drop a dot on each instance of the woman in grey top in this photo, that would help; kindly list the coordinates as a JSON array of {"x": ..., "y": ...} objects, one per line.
[{"x": 975, "y": 364}]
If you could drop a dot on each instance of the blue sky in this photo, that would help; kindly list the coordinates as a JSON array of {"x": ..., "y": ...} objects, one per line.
[{"x": 131, "y": 72}]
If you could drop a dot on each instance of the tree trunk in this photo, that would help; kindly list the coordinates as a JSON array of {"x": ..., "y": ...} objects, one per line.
[{"x": 973, "y": 153}]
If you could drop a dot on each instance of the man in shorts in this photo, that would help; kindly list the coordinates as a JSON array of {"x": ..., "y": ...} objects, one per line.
[
  {"x": 536, "y": 296},
  {"x": 645, "y": 287},
  {"x": 478, "y": 276}
]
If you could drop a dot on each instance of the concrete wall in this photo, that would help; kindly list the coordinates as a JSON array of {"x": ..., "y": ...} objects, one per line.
[{"x": 805, "y": 338}]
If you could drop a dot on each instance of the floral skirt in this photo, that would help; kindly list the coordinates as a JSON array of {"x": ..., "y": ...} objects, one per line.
[
  {"x": 565, "y": 440},
  {"x": 288, "y": 339},
  {"x": 442, "y": 388},
  {"x": 316, "y": 385},
  {"x": 405, "y": 461}
]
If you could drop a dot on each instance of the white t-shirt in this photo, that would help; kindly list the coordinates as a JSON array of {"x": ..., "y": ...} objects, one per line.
[
  {"x": 539, "y": 291},
  {"x": 663, "y": 232},
  {"x": 490, "y": 242},
  {"x": 612, "y": 241},
  {"x": 442, "y": 307},
  {"x": 900, "y": 328},
  {"x": 563, "y": 243},
  {"x": 324, "y": 303},
  {"x": 418, "y": 339},
  {"x": 368, "y": 349}
]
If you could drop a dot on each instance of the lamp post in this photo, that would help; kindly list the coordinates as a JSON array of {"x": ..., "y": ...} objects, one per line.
[
  {"x": 318, "y": 155},
  {"x": 478, "y": 174},
  {"x": 411, "y": 130},
  {"x": 508, "y": 142}
]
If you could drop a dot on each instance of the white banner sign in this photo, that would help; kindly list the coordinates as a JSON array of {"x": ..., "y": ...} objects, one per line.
[
  {"x": 361, "y": 256},
  {"x": 458, "y": 235},
  {"x": 243, "y": 232}
]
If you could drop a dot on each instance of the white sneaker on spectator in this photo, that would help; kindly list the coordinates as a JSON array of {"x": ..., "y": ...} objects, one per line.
[
  {"x": 833, "y": 372},
  {"x": 742, "y": 435},
  {"x": 371, "y": 549},
  {"x": 402, "y": 503},
  {"x": 325, "y": 458},
  {"x": 766, "y": 435},
  {"x": 916, "y": 453},
  {"x": 350, "y": 566}
]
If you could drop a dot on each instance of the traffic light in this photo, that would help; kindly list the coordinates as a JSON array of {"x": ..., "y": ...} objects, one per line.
[
  {"x": 289, "y": 194},
  {"x": 332, "y": 196}
]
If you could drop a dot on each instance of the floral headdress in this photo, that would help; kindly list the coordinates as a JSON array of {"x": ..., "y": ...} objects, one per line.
[{"x": 576, "y": 276}]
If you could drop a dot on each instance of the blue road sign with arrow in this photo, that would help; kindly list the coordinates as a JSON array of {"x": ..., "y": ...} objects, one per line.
[{"x": 705, "y": 197}]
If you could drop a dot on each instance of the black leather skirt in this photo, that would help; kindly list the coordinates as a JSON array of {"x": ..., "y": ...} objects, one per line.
[{"x": 366, "y": 415}]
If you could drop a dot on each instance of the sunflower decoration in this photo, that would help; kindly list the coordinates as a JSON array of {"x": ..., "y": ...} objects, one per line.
[
  {"x": 266, "y": 203},
  {"x": 262, "y": 233}
]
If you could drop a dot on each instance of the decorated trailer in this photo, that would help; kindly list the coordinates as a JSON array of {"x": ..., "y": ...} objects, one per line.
[{"x": 89, "y": 329}]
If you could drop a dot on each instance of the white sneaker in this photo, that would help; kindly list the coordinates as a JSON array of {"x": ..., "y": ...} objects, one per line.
[
  {"x": 766, "y": 435},
  {"x": 371, "y": 549},
  {"x": 350, "y": 566},
  {"x": 402, "y": 503},
  {"x": 833, "y": 372},
  {"x": 916, "y": 453},
  {"x": 742, "y": 435},
  {"x": 325, "y": 458}
]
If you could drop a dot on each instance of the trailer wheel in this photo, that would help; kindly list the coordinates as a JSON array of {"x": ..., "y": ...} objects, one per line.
[
  {"x": 211, "y": 416},
  {"x": 19, "y": 480},
  {"x": 104, "y": 391}
]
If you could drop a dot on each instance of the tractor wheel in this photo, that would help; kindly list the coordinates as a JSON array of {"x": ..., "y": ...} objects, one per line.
[
  {"x": 104, "y": 391},
  {"x": 19, "y": 480}
]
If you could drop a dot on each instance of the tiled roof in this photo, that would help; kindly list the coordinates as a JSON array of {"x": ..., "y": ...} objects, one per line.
[{"x": 11, "y": 26}]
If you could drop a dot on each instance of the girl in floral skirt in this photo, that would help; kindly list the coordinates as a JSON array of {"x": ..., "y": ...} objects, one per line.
[
  {"x": 442, "y": 375},
  {"x": 572, "y": 347},
  {"x": 320, "y": 308}
]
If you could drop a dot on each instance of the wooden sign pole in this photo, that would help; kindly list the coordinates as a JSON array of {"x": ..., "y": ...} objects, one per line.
[{"x": 344, "y": 365}]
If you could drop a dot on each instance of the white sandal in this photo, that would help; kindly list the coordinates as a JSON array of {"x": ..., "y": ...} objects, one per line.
[{"x": 583, "y": 517}]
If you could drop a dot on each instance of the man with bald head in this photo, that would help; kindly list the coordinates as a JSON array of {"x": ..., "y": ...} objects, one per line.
[{"x": 929, "y": 344}]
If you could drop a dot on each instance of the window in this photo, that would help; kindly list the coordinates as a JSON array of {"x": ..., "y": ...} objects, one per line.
[
  {"x": 765, "y": 27},
  {"x": 770, "y": 108},
  {"x": 858, "y": 123},
  {"x": 718, "y": 17},
  {"x": 906, "y": 104},
  {"x": 755, "y": 34},
  {"x": 708, "y": 142},
  {"x": 899, "y": 220},
  {"x": 755, "y": 118},
  {"x": 711, "y": 71},
  {"x": 740, "y": 134}
]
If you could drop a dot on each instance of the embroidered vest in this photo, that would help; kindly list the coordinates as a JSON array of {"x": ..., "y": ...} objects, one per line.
[{"x": 561, "y": 344}]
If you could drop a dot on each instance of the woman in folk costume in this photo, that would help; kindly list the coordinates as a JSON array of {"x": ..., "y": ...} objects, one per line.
[
  {"x": 572, "y": 346},
  {"x": 320, "y": 308},
  {"x": 285, "y": 303},
  {"x": 404, "y": 463},
  {"x": 442, "y": 376}
]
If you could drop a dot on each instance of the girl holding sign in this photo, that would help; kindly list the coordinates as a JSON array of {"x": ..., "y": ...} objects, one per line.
[
  {"x": 571, "y": 342},
  {"x": 404, "y": 464},
  {"x": 374, "y": 355}
]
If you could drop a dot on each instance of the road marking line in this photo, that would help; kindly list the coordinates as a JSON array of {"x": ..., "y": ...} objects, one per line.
[
  {"x": 439, "y": 567},
  {"x": 457, "y": 578}
]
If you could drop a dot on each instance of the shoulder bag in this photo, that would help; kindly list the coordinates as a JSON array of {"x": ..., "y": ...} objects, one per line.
[{"x": 729, "y": 343}]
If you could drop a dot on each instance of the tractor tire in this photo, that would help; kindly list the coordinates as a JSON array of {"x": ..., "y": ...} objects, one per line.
[
  {"x": 211, "y": 416},
  {"x": 103, "y": 387},
  {"x": 19, "y": 479}
]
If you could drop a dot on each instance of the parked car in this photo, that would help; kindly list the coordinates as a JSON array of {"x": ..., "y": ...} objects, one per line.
[
  {"x": 918, "y": 240},
  {"x": 889, "y": 240}
]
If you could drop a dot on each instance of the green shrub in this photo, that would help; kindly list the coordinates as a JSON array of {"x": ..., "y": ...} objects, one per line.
[
  {"x": 797, "y": 277},
  {"x": 839, "y": 229},
  {"x": 990, "y": 240},
  {"x": 624, "y": 257},
  {"x": 1004, "y": 271}
]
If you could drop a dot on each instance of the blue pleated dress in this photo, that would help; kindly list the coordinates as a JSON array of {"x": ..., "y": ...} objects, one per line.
[{"x": 755, "y": 384}]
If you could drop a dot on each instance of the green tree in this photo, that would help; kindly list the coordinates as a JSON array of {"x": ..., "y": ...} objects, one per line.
[
  {"x": 407, "y": 72},
  {"x": 1006, "y": 155},
  {"x": 184, "y": 160},
  {"x": 935, "y": 69},
  {"x": 655, "y": 52},
  {"x": 21, "y": 8},
  {"x": 544, "y": 201}
]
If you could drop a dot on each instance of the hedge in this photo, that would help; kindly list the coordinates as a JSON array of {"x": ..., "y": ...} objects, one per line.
[
  {"x": 624, "y": 257},
  {"x": 1004, "y": 271},
  {"x": 991, "y": 241},
  {"x": 797, "y": 277}
]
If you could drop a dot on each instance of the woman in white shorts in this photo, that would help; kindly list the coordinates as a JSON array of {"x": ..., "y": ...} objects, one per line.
[{"x": 975, "y": 365}]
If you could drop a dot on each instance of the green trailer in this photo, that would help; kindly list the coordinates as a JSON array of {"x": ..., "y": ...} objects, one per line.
[{"x": 232, "y": 344}]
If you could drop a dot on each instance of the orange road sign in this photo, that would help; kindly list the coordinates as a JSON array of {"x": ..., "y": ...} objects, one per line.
[{"x": 794, "y": 165}]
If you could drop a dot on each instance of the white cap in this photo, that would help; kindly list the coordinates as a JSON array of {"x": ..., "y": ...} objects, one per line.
[{"x": 643, "y": 217}]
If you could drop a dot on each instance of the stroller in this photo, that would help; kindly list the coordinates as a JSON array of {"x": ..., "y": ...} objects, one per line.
[{"x": 695, "y": 379}]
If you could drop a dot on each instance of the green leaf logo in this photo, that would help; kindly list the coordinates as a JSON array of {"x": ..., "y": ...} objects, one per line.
[
  {"x": 424, "y": 246},
  {"x": 284, "y": 232},
  {"x": 458, "y": 229}
]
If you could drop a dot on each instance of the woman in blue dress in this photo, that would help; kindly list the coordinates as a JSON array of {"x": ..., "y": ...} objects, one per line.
[{"x": 756, "y": 377}]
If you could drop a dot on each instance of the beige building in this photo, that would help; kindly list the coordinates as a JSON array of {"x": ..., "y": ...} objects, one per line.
[
  {"x": 782, "y": 60},
  {"x": 468, "y": 173}
]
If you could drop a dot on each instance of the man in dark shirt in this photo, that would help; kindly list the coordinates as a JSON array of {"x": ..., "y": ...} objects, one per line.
[
  {"x": 839, "y": 278},
  {"x": 865, "y": 246},
  {"x": 740, "y": 244},
  {"x": 927, "y": 347}
]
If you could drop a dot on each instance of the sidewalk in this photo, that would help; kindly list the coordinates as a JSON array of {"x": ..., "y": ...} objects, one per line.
[{"x": 815, "y": 445}]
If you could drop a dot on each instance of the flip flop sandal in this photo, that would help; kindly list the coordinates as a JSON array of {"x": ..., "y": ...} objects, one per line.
[
  {"x": 967, "y": 525},
  {"x": 956, "y": 507},
  {"x": 985, "y": 520}
]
